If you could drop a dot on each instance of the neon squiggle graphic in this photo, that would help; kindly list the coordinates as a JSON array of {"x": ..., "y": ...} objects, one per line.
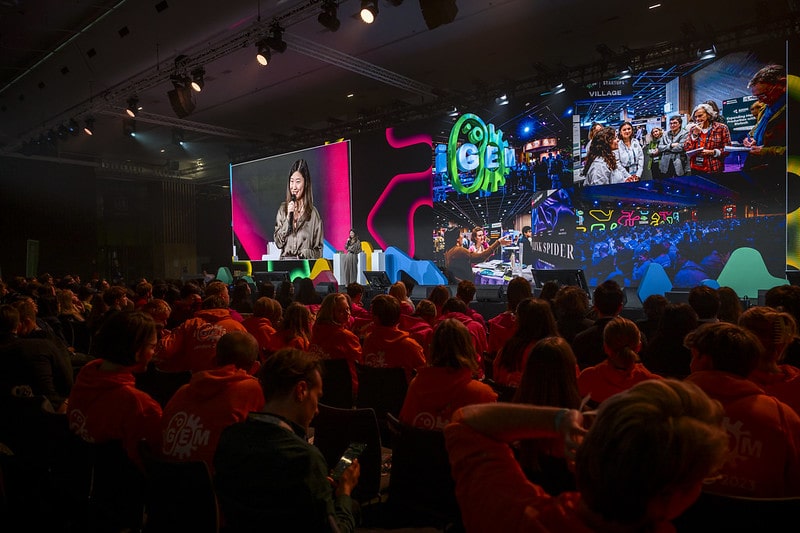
[{"x": 425, "y": 175}]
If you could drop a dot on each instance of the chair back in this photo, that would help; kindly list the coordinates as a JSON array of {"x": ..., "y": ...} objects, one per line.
[
  {"x": 382, "y": 389},
  {"x": 722, "y": 512},
  {"x": 160, "y": 385},
  {"x": 338, "y": 383},
  {"x": 180, "y": 495},
  {"x": 505, "y": 393},
  {"x": 421, "y": 487},
  {"x": 335, "y": 429}
]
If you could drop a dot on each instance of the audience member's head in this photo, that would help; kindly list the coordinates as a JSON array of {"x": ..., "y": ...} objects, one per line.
[
  {"x": 385, "y": 309},
  {"x": 237, "y": 348},
  {"x": 654, "y": 442},
  {"x": 677, "y": 320},
  {"x": 291, "y": 380},
  {"x": 549, "y": 376},
  {"x": 571, "y": 302},
  {"x": 268, "y": 308},
  {"x": 608, "y": 298},
  {"x": 452, "y": 346},
  {"x": 266, "y": 289},
  {"x": 518, "y": 289},
  {"x": 297, "y": 320},
  {"x": 127, "y": 338},
  {"x": 454, "y": 305},
  {"x": 426, "y": 310},
  {"x": 654, "y": 306},
  {"x": 334, "y": 309},
  {"x": 216, "y": 301},
  {"x": 218, "y": 288},
  {"x": 549, "y": 290},
  {"x": 705, "y": 302},
  {"x": 116, "y": 297},
  {"x": 775, "y": 330},
  {"x": 356, "y": 291},
  {"x": 724, "y": 347},
  {"x": 784, "y": 298},
  {"x": 439, "y": 295},
  {"x": 730, "y": 306},
  {"x": 622, "y": 341},
  {"x": 9, "y": 319},
  {"x": 466, "y": 291},
  {"x": 399, "y": 291}
]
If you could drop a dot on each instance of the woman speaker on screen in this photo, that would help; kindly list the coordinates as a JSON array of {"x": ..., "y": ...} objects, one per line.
[{"x": 298, "y": 226}]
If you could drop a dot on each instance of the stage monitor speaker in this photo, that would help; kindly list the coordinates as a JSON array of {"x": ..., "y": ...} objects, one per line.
[
  {"x": 563, "y": 277},
  {"x": 420, "y": 292},
  {"x": 378, "y": 280},
  {"x": 438, "y": 12},
  {"x": 325, "y": 288},
  {"x": 490, "y": 293},
  {"x": 181, "y": 101},
  {"x": 677, "y": 297},
  {"x": 632, "y": 300}
]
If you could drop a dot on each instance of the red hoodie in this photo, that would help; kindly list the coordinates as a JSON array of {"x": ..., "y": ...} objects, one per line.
[
  {"x": 603, "y": 380},
  {"x": 198, "y": 412},
  {"x": 764, "y": 434},
  {"x": 332, "y": 341},
  {"x": 193, "y": 345},
  {"x": 437, "y": 392},
  {"x": 501, "y": 328},
  {"x": 478, "y": 333},
  {"x": 105, "y": 405},
  {"x": 388, "y": 346},
  {"x": 420, "y": 331},
  {"x": 261, "y": 328},
  {"x": 785, "y": 385}
]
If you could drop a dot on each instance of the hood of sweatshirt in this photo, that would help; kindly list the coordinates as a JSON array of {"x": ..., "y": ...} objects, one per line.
[
  {"x": 210, "y": 383},
  {"x": 213, "y": 315},
  {"x": 433, "y": 382},
  {"x": 724, "y": 386}
]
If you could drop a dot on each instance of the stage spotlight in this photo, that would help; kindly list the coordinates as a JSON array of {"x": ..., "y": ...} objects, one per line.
[
  {"x": 275, "y": 38},
  {"x": 263, "y": 56},
  {"x": 88, "y": 129},
  {"x": 625, "y": 73},
  {"x": 73, "y": 126},
  {"x": 369, "y": 11},
  {"x": 558, "y": 89},
  {"x": 707, "y": 53},
  {"x": 438, "y": 12},
  {"x": 177, "y": 136},
  {"x": 128, "y": 127},
  {"x": 501, "y": 100},
  {"x": 133, "y": 107},
  {"x": 328, "y": 16},
  {"x": 198, "y": 81}
]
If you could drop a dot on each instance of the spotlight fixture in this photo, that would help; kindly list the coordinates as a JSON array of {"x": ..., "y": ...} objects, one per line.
[
  {"x": 501, "y": 100},
  {"x": 707, "y": 53},
  {"x": 275, "y": 38},
  {"x": 558, "y": 89},
  {"x": 369, "y": 11},
  {"x": 197, "y": 79},
  {"x": 264, "y": 55},
  {"x": 128, "y": 127},
  {"x": 177, "y": 136},
  {"x": 88, "y": 129},
  {"x": 328, "y": 16},
  {"x": 73, "y": 127},
  {"x": 133, "y": 107},
  {"x": 625, "y": 73}
]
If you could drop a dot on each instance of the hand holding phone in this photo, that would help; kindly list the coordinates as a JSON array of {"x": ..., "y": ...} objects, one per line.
[{"x": 353, "y": 452}]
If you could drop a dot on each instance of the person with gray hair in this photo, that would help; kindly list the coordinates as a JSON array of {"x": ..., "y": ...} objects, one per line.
[
  {"x": 767, "y": 142},
  {"x": 707, "y": 140},
  {"x": 673, "y": 157}
]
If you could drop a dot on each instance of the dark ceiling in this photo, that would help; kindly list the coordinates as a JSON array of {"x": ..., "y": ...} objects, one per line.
[{"x": 63, "y": 60}]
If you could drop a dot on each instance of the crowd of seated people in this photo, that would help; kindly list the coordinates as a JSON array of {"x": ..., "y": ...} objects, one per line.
[{"x": 561, "y": 355}]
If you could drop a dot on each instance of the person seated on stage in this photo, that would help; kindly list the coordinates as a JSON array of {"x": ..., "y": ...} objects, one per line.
[
  {"x": 387, "y": 345},
  {"x": 330, "y": 336},
  {"x": 459, "y": 260},
  {"x": 535, "y": 321},
  {"x": 465, "y": 291},
  {"x": 267, "y": 314},
  {"x": 104, "y": 403},
  {"x": 641, "y": 465},
  {"x": 455, "y": 308},
  {"x": 622, "y": 368},
  {"x": 420, "y": 325},
  {"x": 267, "y": 475},
  {"x": 550, "y": 378},
  {"x": 764, "y": 458},
  {"x": 193, "y": 344},
  {"x": 294, "y": 330},
  {"x": 447, "y": 383},
  {"x": 195, "y": 416},
  {"x": 399, "y": 291},
  {"x": 776, "y": 331}
]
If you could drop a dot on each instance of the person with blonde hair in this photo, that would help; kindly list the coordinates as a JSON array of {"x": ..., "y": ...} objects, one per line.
[
  {"x": 294, "y": 330},
  {"x": 331, "y": 337},
  {"x": 622, "y": 368},
  {"x": 447, "y": 383},
  {"x": 400, "y": 292},
  {"x": 640, "y": 466}
]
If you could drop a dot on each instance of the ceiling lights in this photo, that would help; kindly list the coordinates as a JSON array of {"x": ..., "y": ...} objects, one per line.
[
  {"x": 273, "y": 41},
  {"x": 705, "y": 53},
  {"x": 198, "y": 81},
  {"x": 88, "y": 129},
  {"x": 369, "y": 11},
  {"x": 133, "y": 107},
  {"x": 328, "y": 16}
]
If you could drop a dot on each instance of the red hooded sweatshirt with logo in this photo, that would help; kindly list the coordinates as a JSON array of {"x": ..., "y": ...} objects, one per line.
[
  {"x": 262, "y": 329},
  {"x": 420, "y": 331},
  {"x": 194, "y": 418},
  {"x": 437, "y": 392},
  {"x": 390, "y": 347},
  {"x": 764, "y": 460},
  {"x": 105, "y": 405},
  {"x": 193, "y": 345},
  {"x": 604, "y": 380},
  {"x": 784, "y": 385}
]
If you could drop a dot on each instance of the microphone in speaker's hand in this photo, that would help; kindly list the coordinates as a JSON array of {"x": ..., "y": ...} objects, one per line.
[{"x": 291, "y": 215}]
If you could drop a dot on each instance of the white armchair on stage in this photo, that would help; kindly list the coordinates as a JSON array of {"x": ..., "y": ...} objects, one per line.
[{"x": 273, "y": 252}]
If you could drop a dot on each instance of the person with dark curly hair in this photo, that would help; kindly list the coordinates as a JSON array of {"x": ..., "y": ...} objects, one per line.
[{"x": 602, "y": 167}]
